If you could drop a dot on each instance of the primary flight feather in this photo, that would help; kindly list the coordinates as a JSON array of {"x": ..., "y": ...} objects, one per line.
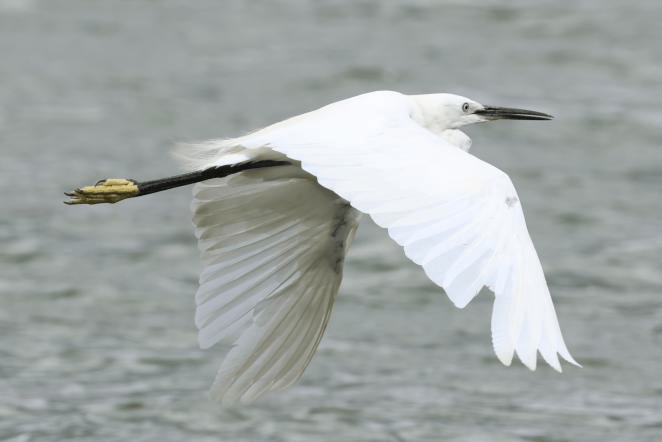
[{"x": 273, "y": 231}]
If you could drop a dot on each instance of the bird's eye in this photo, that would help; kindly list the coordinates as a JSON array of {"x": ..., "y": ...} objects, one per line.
[{"x": 465, "y": 107}]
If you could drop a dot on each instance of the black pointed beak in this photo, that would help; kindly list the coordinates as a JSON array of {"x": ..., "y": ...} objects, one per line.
[{"x": 509, "y": 113}]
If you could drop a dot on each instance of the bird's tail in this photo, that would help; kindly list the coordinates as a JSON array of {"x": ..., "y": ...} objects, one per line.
[
  {"x": 221, "y": 152},
  {"x": 197, "y": 156}
]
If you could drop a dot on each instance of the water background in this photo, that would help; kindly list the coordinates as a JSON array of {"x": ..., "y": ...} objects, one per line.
[{"x": 97, "y": 340}]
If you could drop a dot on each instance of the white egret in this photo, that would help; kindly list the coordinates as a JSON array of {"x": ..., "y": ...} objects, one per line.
[{"x": 276, "y": 210}]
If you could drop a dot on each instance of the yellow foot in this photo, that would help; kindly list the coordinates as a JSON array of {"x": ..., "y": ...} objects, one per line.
[{"x": 110, "y": 190}]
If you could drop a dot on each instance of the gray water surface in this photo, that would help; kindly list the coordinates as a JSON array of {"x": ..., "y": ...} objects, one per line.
[{"x": 96, "y": 303}]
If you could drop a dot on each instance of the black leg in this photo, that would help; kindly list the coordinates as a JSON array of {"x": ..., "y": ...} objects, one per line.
[{"x": 113, "y": 190}]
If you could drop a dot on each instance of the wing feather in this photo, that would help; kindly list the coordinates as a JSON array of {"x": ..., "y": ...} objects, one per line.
[
  {"x": 272, "y": 242},
  {"x": 455, "y": 215}
]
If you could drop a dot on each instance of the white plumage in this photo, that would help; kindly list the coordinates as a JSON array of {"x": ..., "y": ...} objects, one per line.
[{"x": 273, "y": 239}]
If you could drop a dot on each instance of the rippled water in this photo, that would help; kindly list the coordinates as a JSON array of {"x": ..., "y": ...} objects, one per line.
[{"x": 98, "y": 341}]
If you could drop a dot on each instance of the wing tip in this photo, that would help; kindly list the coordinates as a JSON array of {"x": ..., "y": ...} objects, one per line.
[
  {"x": 529, "y": 359},
  {"x": 529, "y": 356},
  {"x": 565, "y": 354},
  {"x": 551, "y": 360},
  {"x": 504, "y": 354},
  {"x": 554, "y": 362}
]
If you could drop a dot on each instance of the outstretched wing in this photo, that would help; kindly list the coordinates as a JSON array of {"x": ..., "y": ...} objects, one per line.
[
  {"x": 273, "y": 243},
  {"x": 455, "y": 215}
]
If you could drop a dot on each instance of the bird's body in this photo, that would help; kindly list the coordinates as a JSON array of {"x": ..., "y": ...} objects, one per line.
[{"x": 273, "y": 239}]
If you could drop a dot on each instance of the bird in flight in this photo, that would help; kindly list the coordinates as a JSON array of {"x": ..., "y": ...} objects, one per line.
[{"x": 275, "y": 212}]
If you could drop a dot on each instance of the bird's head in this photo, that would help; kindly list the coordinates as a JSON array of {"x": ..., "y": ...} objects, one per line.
[{"x": 439, "y": 112}]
